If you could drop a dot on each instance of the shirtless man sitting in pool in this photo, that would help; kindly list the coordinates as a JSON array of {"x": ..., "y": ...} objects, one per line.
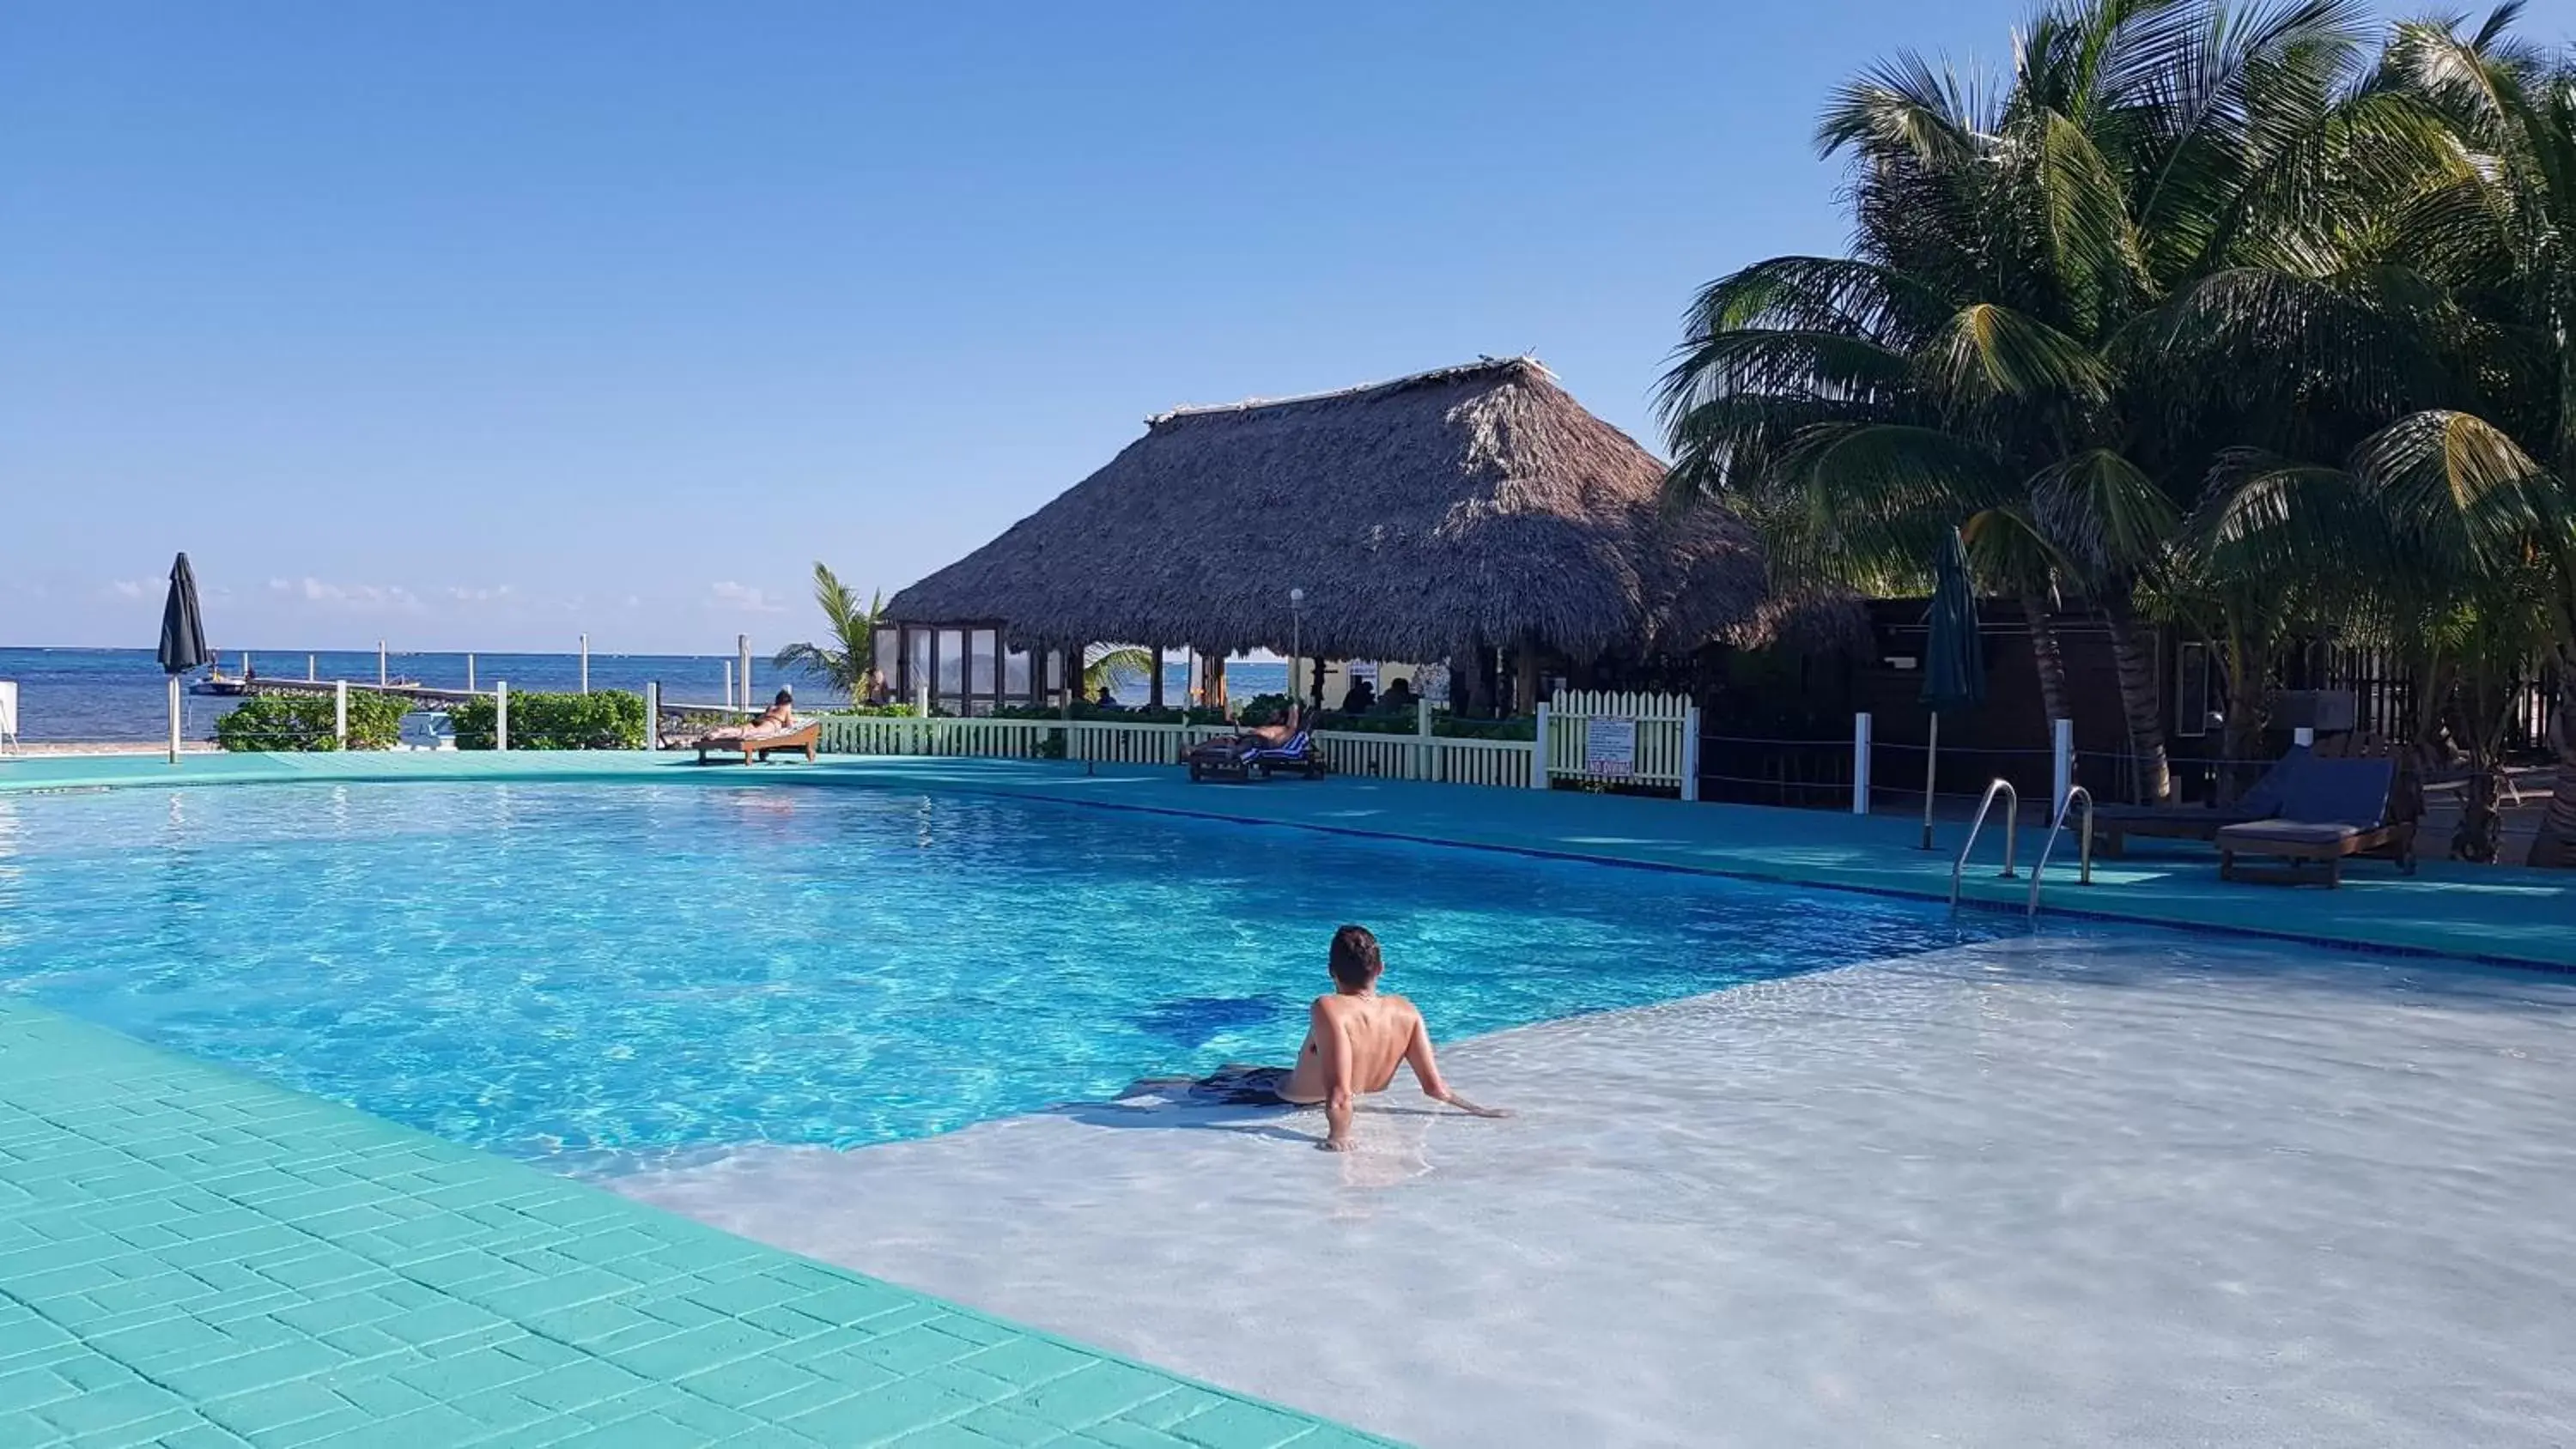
[{"x": 1354, "y": 1040}]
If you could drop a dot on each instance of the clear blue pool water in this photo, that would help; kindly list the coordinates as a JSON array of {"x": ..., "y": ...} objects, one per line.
[{"x": 627, "y": 968}]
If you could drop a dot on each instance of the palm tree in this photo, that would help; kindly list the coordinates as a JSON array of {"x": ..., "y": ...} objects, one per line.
[
  {"x": 2469, "y": 496},
  {"x": 849, "y": 652},
  {"x": 1115, "y": 667},
  {"x": 2028, "y": 261},
  {"x": 2501, "y": 237}
]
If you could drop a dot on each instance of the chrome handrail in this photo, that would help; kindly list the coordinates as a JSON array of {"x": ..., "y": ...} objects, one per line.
[
  {"x": 2012, "y": 827},
  {"x": 2084, "y": 852}
]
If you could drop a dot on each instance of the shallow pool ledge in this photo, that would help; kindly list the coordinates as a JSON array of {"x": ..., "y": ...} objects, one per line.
[{"x": 190, "y": 1256}]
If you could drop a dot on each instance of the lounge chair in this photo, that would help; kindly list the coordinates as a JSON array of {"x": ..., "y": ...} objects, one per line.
[
  {"x": 806, "y": 737},
  {"x": 1235, "y": 760},
  {"x": 2331, "y": 809},
  {"x": 2113, "y": 824}
]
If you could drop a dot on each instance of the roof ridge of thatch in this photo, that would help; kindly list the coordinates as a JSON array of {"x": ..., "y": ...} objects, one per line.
[
  {"x": 1471, "y": 506},
  {"x": 1451, "y": 373}
]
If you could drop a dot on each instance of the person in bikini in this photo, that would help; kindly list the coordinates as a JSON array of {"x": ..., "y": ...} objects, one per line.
[
  {"x": 781, "y": 715},
  {"x": 1355, "y": 1039}
]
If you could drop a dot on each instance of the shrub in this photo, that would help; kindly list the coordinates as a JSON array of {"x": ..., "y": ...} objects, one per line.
[
  {"x": 1264, "y": 709},
  {"x": 1390, "y": 723},
  {"x": 278, "y": 722},
  {"x": 1520, "y": 727},
  {"x": 611, "y": 719}
]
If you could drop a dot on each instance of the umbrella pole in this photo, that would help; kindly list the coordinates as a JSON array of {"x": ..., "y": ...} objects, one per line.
[
  {"x": 174, "y": 719},
  {"x": 1931, "y": 766}
]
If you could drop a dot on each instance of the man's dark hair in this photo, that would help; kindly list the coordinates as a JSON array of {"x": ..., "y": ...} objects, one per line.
[{"x": 1355, "y": 960}]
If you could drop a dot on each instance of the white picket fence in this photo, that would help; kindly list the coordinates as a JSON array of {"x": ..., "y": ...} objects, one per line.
[
  {"x": 1634, "y": 739},
  {"x": 1006, "y": 739},
  {"x": 1623, "y": 738}
]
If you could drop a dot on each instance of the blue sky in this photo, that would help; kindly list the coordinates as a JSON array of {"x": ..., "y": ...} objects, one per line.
[{"x": 478, "y": 325}]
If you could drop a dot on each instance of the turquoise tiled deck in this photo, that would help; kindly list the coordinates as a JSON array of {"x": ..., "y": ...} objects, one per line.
[{"x": 193, "y": 1258}]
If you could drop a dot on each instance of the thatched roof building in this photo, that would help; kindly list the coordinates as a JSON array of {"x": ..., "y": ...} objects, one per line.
[{"x": 1472, "y": 507}]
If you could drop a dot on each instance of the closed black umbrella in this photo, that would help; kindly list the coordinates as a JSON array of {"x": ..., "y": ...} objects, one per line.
[
  {"x": 183, "y": 639},
  {"x": 1954, "y": 657}
]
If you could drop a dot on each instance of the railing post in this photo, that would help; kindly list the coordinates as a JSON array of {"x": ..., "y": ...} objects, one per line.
[
  {"x": 2061, "y": 748},
  {"x": 340, "y": 712},
  {"x": 469, "y": 672},
  {"x": 728, "y": 683},
  {"x": 1538, "y": 752},
  {"x": 585, "y": 664},
  {"x": 1690, "y": 752},
  {"x": 501, "y": 714},
  {"x": 1424, "y": 751},
  {"x": 1860, "y": 763},
  {"x": 652, "y": 714}
]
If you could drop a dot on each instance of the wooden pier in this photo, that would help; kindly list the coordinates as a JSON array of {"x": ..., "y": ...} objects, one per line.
[{"x": 423, "y": 695}]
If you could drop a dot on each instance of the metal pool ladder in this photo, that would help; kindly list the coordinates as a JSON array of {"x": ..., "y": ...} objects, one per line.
[
  {"x": 2084, "y": 852},
  {"x": 2012, "y": 815}
]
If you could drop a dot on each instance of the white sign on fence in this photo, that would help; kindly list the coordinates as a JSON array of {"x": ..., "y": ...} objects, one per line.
[{"x": 1609, "y": 747}]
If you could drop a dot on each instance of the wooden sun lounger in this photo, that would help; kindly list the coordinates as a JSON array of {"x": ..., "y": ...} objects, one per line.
[
  {"x": 2331, "y": 810},
  {"x": 2114, "y": 824},
  {"x": 808, "y": 738},
  {"x": 1229, "y": 760}
]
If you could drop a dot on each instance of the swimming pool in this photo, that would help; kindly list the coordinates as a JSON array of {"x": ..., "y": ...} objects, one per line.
[{"x": 597, "y": 973}]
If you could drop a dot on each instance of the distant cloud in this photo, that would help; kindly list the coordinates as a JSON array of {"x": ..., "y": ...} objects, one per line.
[
  {"x": 349, "y": 598},
  {"x": 464, "y": 594},
  {"x": 743, "y": 598},
  {"x": 133, "y": 588}
]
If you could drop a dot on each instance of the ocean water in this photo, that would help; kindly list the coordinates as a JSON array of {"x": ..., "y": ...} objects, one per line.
[
  {"x": 120, "y": 694},
  {"x": 561, "y": 969}
]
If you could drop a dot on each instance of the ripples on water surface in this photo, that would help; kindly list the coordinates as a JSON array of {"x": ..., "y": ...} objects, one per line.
[{"x": 566, "y": 969}]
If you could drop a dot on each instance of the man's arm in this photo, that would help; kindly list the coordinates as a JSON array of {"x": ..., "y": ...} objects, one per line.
[
  {"x": 1426, "y": 1070},
  {"x": 1336, "y": 1046}
]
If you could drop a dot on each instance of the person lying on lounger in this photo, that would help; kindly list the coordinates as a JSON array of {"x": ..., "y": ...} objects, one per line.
[
  {"x": 780, "y": 715},
  {"x": 1266, "y": 737},
  {"x": 1355, "y": 1039}
]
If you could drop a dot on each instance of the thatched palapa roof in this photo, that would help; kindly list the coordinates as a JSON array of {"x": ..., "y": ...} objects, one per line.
[{"x": 1473, "y": 505}]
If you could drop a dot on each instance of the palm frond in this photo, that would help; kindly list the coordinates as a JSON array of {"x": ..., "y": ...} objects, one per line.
[
  {"x": 1905, "y": 109},
  {"x": 2103, "y": 513}
]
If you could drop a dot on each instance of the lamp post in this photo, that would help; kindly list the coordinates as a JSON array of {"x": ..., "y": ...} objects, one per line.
[{"x": 1296, "y": 643}]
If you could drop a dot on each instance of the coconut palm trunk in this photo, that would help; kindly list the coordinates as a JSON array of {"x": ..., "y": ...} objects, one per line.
[
  {"x": 2555, "y": 844},
  {"x": 2048, "y": 656},
  {"x": 2133, "y": 654}
]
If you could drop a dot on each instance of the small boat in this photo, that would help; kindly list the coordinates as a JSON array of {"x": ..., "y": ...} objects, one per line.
[{"x": 219, "y": 683}]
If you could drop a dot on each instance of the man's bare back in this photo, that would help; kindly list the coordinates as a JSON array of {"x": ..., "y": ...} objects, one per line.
[{"x": 1355, "y": 1039}]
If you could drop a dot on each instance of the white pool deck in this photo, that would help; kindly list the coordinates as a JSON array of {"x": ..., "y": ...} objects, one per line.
[{"x": 2178, "y": 1191}]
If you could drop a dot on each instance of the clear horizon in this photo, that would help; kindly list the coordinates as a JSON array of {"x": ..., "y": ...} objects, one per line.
[{"x": 480, "y": 327}]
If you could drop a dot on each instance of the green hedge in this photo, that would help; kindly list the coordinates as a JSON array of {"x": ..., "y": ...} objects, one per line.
[
  {"x": 281, "y": 722},
  {"x": 610, "y": 719}
]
